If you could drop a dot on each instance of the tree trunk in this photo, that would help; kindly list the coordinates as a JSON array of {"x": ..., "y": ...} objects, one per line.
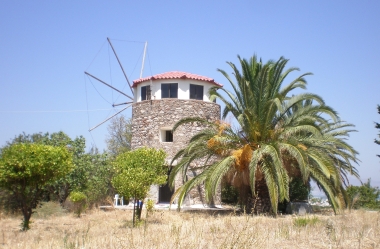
[
  {"x": 261, "y": 201},
  {"x": 27, "y": 213},
  {"x": 27, "y": 201}
]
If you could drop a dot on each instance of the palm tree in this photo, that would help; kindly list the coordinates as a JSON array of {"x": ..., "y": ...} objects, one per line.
[{"x": 279, "y": 137}]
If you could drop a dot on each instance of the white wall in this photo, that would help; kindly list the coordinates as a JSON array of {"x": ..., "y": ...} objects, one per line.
[
  {"x": 136, "y": 94},
  {"x": 183, "y": 88}
]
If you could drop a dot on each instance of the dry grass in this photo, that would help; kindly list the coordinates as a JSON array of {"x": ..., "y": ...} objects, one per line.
[{"x": 170, "y": 229}]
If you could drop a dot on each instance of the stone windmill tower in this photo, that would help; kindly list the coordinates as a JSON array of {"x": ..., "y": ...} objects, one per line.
[{"x": 159, "y": 102}]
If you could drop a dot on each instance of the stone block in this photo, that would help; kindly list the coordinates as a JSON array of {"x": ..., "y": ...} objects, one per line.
[{"x": 299, "y": 208}]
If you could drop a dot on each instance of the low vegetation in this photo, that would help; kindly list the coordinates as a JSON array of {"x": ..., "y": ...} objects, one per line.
[
  {"x": 305, "y": 221},
  {"x": 171, "y": 229},
  {"x": 364, "y": 196},
  {"x": 79, "y": 202}
]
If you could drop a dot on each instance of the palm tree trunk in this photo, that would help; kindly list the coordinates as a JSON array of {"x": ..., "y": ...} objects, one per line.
[
  {"x": 260, "y": 202},
  {"x": 245, "y": 196}
]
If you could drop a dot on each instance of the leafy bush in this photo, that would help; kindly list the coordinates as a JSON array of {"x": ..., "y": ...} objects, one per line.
[
  {"x": 304, "y": 221},
  {"x": 364, "y": 196},
  {"x": 298, "y": 190},
  {"x": 98, "y": 186},
  {"x": 79, "y": 200},
  {"x": 149, "y": 206},
  {"x": 230, "y": 194}
]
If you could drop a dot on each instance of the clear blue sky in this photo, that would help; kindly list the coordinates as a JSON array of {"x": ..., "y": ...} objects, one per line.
[{"x": 47, "y": 45}]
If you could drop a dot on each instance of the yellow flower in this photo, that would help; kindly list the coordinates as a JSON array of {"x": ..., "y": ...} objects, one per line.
[{"x": 242, "y": 157}]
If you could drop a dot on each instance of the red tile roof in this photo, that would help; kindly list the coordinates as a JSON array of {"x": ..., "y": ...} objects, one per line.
[{"x": 175, "y": 75}]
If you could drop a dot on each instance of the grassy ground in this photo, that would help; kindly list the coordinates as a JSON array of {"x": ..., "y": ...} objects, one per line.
[{"x": 53, "y": 228}]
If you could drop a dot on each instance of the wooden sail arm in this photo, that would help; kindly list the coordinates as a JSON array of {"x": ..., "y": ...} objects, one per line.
[
  {"x": 108, "y": 118},
  {"x": 121, "y": 66},
  {"x": 101, "y": 81},
  {"x": 125, "y": 103}
]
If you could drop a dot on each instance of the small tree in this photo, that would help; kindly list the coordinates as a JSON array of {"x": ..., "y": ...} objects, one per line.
[
  {"x": 26, "y": 168},
  {"x": 136, "y": 171},
  {"x": 119, "y": 135},
  {"x": 79, "y": 200},
  {"x": 77, "y": 179},
  {"x": 364, "y": 196},
  {"x": 99, "y": 176}
]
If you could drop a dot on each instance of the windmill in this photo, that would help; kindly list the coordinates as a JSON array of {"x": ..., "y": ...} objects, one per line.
[
  {"x": 158, "y": 103},
  {"x": 129, "y": 95}
]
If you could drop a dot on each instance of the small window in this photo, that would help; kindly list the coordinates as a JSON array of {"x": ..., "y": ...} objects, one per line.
[
  {"x": 166, "y": 136},
  {"x": 196, "y": 92},
  {"x": 145, "y": 93},
  {"x": 169, "y": 90}
]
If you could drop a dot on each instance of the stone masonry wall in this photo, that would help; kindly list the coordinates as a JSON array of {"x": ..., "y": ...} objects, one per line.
[{"x": 149, "y": 117}]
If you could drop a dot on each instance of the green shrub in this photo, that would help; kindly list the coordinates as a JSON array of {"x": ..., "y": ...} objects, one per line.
[
  {"x": 304, "y": 221},
  {"x": 230, "y": 194},
  {"x": 149, "y": 206},
  {"x": 298, "y": 190},
  {"x": 364, "y": 196},
  {"x": 79, "y": 200}
]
